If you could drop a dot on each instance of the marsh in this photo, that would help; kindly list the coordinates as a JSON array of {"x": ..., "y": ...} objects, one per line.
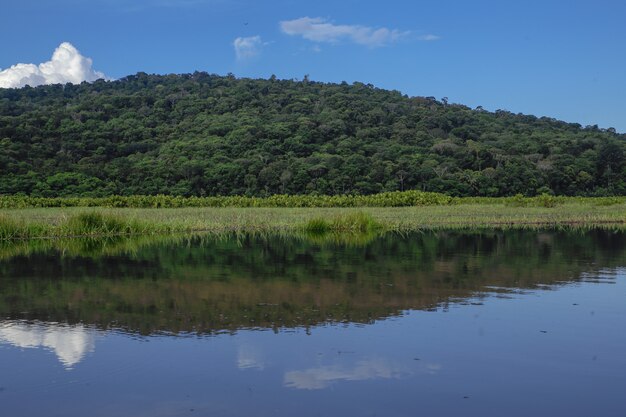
[{"x": 438, "y": 323}]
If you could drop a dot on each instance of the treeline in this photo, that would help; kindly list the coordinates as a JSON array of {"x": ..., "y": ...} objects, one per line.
[
  {"x": 207, "y": 135},
  {"x": 390, "y": 199}
]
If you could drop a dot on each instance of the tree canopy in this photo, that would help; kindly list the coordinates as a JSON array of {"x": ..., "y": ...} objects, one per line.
[{"x": 202, "y": 134}]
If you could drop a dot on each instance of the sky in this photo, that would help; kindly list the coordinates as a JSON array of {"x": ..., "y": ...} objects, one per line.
[{"x": 555, "y": 58}]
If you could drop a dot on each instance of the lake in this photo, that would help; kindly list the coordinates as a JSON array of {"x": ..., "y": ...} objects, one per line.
[{"x": 447, "y": 323}]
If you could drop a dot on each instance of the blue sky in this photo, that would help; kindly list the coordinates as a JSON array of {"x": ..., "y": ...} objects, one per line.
[{"x": 557, "y": 58}]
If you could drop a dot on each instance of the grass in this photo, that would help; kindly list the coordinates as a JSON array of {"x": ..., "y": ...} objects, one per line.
[
  {"x": 11, "y": 228},
  {"x": 94, "y": 223},
  {"x": 101, "y": 221},
  {"x": 91, "y": 223},
  {"x": 351, "y": 222}
]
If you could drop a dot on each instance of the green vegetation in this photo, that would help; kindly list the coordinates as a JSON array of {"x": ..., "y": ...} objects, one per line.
[
  {"x": 28, "y": 217},
  {"x": 92, "y": 223},
  {"x": 358, "y": 222},
  {"x": 391, "y": 199},
  {"x": 515, "y": 212},
  {"x": 10, "y": 229},
  {"x": 205, "y": 135}
]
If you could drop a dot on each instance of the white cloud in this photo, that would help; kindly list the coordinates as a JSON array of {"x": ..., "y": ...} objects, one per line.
[
  {"x": 249, "y": 47},
  {"x": 320, "y": 30},
  {"x": 428, "y": 37},
  {"x": 66, "y": 66}
]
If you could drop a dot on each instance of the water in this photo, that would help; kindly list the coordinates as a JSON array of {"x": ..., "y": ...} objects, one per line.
[{"x": 441, "y": 324}]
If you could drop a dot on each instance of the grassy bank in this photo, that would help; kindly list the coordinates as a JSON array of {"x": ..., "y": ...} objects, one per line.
[{"x": 104, "y": 221}]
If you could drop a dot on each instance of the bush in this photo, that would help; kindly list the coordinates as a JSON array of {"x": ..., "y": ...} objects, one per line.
[
  {"x": 390, "y": 199},
  {"x": 547, "y": 200}
]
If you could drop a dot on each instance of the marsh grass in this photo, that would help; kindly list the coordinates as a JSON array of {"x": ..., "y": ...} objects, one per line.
[
  {"x": 93, "y": 223},
  {"x": 351, "y": 228},
  {"x": 316, "y": 226},
  {"x": 543, "y": 200},
  {"x": 20, "y": 229},
  {"x": 10, "y": 229},
  {"x": 356, "y": 223},
  {"x": 76, "y": 225},
  {"x": 73, "y": 221}
]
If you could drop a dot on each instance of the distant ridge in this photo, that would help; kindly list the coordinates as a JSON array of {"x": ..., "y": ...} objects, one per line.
[{"x": 203, "y": 134}]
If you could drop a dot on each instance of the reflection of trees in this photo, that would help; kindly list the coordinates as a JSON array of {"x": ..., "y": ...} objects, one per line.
[{"x": 207, "y": 285}]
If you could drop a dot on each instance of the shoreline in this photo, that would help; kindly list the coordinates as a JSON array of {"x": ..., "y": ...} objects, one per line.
[{"x": 30, "y": 223}]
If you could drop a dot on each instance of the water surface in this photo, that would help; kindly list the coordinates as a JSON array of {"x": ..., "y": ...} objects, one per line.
[{"x": 485, "y": 323}]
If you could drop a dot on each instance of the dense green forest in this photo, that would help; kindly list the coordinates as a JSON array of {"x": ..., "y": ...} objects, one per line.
[{"x": 201, "y": 134}]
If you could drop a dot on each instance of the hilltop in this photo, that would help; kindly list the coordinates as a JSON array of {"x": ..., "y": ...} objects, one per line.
[{"x": 203, "y": 134}]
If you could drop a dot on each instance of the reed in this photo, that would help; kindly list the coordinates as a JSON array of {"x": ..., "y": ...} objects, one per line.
[
  {"x": 11, "y": 228},
  {"x": 317, "y": 226},
  {"x": 93, "y": 223},
  {"x": 100, "y": 221},
  {"x": 357, "y": 222}
]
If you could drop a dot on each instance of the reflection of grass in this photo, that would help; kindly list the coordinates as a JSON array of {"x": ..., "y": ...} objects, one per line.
[
  {"x": 71, "y": 221},
  {"x": 99, "y": 246},
  {"x": 341, "y": 239},
  {"x": 92, "y": 247}
]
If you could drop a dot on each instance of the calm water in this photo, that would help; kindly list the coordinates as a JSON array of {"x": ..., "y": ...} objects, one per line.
[{"x": 440, "y": 324}]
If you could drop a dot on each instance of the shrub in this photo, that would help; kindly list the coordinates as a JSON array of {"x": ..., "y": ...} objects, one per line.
[{"x": 389, "y": 199}]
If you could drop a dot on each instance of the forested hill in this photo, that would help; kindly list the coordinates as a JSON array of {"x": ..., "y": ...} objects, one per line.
[{"x": 201, "y": 134}]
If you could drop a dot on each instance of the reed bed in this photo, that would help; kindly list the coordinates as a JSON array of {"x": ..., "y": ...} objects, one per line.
[{"x": 102, "y": 221}]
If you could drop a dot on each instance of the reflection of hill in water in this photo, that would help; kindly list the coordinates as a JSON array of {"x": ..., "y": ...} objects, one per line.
[{"x": 208, "y": 285}]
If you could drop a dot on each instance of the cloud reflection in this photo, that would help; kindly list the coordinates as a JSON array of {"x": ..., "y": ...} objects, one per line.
[
  {"x": 249, "y": 358},
  {"x": 321, "y": 377},
  {"x": 69, "y": 343}
]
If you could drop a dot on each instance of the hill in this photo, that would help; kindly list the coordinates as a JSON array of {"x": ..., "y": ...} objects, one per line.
[{"x": 202, "y": 134}]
